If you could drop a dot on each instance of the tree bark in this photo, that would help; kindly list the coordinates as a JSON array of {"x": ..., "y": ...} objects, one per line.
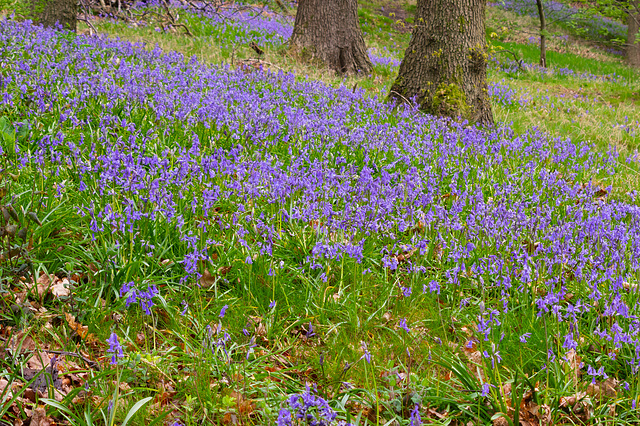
[
  {"x": 445, "y": 65},
  {"x": 51, "y": 12},
  {"x": 329, "y": 31},
  {"x": 543, "y": 37},
  {"x": 633, "y": 24}
]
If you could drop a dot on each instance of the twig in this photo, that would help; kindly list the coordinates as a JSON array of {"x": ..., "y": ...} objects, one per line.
[
  {"x": 282, "y": 6},
  {"x": 515, "y": 57},
  {"x": 405, "y": 99},
  {"x": 256, "y": 48},
  {"x": 172, "y": 20},
  {"x": 91, "y": 27},
  {"x": 262, "y": 62},
  {"x": 89, "y": 362}
]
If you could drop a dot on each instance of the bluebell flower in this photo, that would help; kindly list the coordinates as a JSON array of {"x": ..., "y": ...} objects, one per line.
[
  {"x": 223, "y": 311},
  {"x": 114, "y": 348}
]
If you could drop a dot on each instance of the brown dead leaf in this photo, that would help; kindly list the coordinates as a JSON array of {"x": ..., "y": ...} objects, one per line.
[
  {"x": 60, "y": 287},
  {"x": 207, "y": 280},
  {"x": 7, "y": 394},
  {"x": 140, "y": 338},
  {"x": 433, "y": 413},
  {"x": 500, "y": 421},
  {"x": 260, "y": 329},
  {"x": 574, "y": 361},
  {"x": 41, "y": 286},
  {"x": 370, "y": 414},
  {"x": 230, "y": 419},
  {"x": 543, "y": 413},
  {"x": 406, "y": 255},
  {"x": 167, "y": 262},
  {"x": 38, "y": 360},
  {"x": 22, "y": 343},
  {"x": 81, "y": 330},
  {"x": 437, "y": 251},
  {"x": 244, "y": 406},
  {"x": 40, "y": 418},
  {"x": 29, "y": 394},
  {"x": 165, "y": 395},
  {"x": 608, "y": 388}
]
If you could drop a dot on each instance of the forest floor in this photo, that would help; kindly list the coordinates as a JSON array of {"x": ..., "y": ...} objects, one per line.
[{"x": 195, "y": 233}]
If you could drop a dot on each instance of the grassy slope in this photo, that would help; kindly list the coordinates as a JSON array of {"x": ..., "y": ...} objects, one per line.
[
  {"x": 387, "y": 32},
  {"x": 371, "y": 312}
]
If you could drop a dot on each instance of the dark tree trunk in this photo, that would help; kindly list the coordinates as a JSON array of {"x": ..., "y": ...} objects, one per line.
[
  {"x": 50, "y": 12},
  {"x": 445, "y": 65},
  {"x": 543, "y": 37},
  {"x": 328, "y": 30},
  {"x": 633, "y": 24}
]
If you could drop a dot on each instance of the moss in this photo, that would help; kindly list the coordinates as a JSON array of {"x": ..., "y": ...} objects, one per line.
[
  {"x": 449, "y": 100},
  {"x": 478, "y": 57}
]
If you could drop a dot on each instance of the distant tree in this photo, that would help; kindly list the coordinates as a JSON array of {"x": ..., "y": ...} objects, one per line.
[
  {"x": 589, "y": 10},
  {"x": 52, "y": 12},
  {"x": 543, "y": 34},
  {"x": 445, "y": 65},
  {"x": 632, "y": 51},
  {"x": 329, "y": 31}
]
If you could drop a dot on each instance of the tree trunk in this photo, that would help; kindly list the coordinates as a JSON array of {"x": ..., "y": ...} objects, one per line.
[
  {"x": 445, "y": 65},
  {"x": 51, "y": 12},
  {"x": 328, "y": 30},
  {"x": 633, "y": 47},
  {"x": 543, "y": 37}
]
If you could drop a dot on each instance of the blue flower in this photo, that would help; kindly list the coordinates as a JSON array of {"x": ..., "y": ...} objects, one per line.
[
  {"x": 223, "y": 311},
  {"x": 115, "y": 348},
  {"x": 486, "y": 389}
]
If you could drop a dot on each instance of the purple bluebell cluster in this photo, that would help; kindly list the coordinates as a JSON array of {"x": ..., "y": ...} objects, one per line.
[
  {"x": 154, "y": 147},
  {"x": 511, "y": 67},
  {"x": 415, "y": 419},
  {"x": 564, "y": 39},
  {"x": 259, "y": 25},
  {"x": 502, "y": 94},
  {"x": 135, "y": 295},
  {"x": 631, "y": 127},
  {"x": 384, "y": 58},
  {"x": 307, "y": 408}
]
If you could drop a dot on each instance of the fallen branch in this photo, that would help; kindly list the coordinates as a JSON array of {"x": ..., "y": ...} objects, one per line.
[
  {"x": 515, "y": 57},
  {"x": 89, "y": 362}
]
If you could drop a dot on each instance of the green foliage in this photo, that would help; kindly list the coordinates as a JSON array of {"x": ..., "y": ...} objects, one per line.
[{"x": 209, "y": 382}]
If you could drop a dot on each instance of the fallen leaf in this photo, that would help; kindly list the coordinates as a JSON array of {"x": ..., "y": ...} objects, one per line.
[
  {"x": 574, "y": 361},
  {"x": 500, "y": 421},
  {"x": 41, "y": 285},
  {"x": 81, "y": 330},
  {"x": 40, "y": 418},
  {"x": 60, "y": 287},
  {"x": 207, "y": 280}
]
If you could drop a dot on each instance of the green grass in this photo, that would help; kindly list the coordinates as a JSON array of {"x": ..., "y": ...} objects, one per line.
[
  {"x": 170, "y": 356},
  {"x": 578, "y": 63}
]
